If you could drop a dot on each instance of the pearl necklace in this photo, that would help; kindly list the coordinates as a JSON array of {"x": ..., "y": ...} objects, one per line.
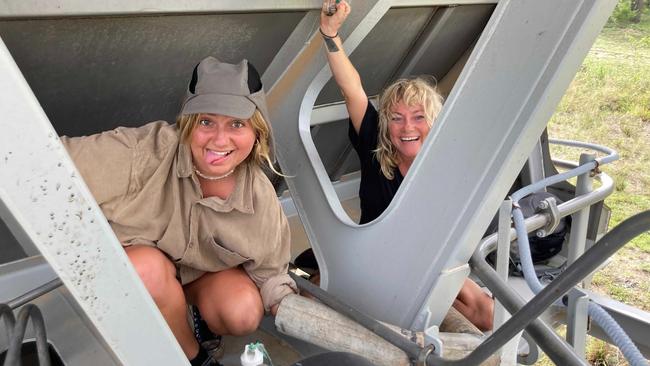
[{"x": 208, "y": 177}]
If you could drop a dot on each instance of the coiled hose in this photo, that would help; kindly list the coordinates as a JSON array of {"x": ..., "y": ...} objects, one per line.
[
  {"x": 16, "y": 335},
  {"x": 626, "y": 231}
]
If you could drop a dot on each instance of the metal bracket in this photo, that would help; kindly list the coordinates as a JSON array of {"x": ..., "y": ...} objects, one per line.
[
  {"x": 431, "y": 339},
  {"x": 596, "y": 170},
  {"x": 424, "y": 354},
  {"x": 548, "y": 206}
]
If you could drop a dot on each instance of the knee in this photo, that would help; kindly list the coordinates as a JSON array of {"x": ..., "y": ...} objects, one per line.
[
  {"x": 154, "y": 269},
  {"x": 241, "y": 316},
  {"x": 486, "y": 311},
  {"x": 246, "y": 322},
  {"x": 246, "y": 316}
]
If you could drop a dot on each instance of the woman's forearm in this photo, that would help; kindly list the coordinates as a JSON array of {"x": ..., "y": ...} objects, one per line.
[{"x": 345, "y": 74}]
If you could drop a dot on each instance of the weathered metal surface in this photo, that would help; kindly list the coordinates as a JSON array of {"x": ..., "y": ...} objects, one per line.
[{"x": 49, "y": 204}]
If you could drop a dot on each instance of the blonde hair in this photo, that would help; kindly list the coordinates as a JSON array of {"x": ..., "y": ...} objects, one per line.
[
  {"x": 261, "y": 154},
  {"x": 412, "y": 91}
]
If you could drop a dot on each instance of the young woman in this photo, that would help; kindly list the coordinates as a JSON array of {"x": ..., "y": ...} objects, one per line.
[
  {"x": 387, "y": 142},
  {"x": 198, "y": 218}
]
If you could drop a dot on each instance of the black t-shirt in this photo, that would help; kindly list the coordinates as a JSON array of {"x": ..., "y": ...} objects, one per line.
[{"x": 375, "y": 191}]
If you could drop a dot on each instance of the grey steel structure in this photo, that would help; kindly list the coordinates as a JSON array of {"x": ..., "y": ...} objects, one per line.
[
  {"x": 491, "y": 121},
  {"x": 93, "y": 66}
]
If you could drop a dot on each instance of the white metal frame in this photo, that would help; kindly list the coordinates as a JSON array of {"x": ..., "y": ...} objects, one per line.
[{"x": 50, "y": 209}]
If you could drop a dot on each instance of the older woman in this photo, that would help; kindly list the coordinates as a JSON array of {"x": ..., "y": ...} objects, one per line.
[
  {"x": 387, "y": 141},
  {"x": 198, "y": 218}
]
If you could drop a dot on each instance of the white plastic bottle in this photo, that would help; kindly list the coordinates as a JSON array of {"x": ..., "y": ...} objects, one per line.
[{"x": 252, "y": 355}]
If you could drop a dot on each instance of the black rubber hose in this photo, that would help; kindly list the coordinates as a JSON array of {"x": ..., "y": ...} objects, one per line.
[
  {"x": 7, "y": 314},
  {"x": 29, "y": 311}
]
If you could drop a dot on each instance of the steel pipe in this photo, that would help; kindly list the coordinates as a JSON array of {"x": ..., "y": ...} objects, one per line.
[
  {"x": 551, "y": 343},
  {"x": 583, "y": 266},
  {"x": 489, "y": 243},
  {"x": 31, "y": 295}
]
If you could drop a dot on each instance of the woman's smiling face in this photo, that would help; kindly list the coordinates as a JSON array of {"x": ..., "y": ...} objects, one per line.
[
  {"x": 407, "y": 128},
  {"x": 220, "y": 143}
]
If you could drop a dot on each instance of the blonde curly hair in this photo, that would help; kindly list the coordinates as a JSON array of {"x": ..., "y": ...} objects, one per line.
[{"x": 412, "y": 91}]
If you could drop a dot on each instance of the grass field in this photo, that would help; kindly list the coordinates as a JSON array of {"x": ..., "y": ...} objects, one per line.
[{"x": 608, "y": 103}]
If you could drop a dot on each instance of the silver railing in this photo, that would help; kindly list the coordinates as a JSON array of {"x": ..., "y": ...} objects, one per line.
[{"x": 543, "y": 224}]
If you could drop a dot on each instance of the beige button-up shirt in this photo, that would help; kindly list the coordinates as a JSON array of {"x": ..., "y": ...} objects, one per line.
[{"x": 143, "y": 180}]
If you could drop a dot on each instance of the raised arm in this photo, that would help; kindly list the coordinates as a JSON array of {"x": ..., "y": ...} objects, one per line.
[{"x": 346, "y": 76}]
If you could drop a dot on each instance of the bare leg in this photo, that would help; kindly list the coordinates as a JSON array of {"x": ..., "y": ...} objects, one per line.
[
  {"x": 158, "y": 274},
  {"x": 475, "y": 305},
  {"x": 229, "y": 301}
]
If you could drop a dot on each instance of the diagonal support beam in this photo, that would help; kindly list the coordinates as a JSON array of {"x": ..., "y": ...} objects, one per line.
[{"x": 50, "y": 210}]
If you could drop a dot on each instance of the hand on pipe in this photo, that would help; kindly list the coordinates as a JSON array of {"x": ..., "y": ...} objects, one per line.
[{"x": 330, "y": 22}]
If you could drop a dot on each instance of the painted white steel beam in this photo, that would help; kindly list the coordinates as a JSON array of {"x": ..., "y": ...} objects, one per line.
[{"x": 45, "y": 201}]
